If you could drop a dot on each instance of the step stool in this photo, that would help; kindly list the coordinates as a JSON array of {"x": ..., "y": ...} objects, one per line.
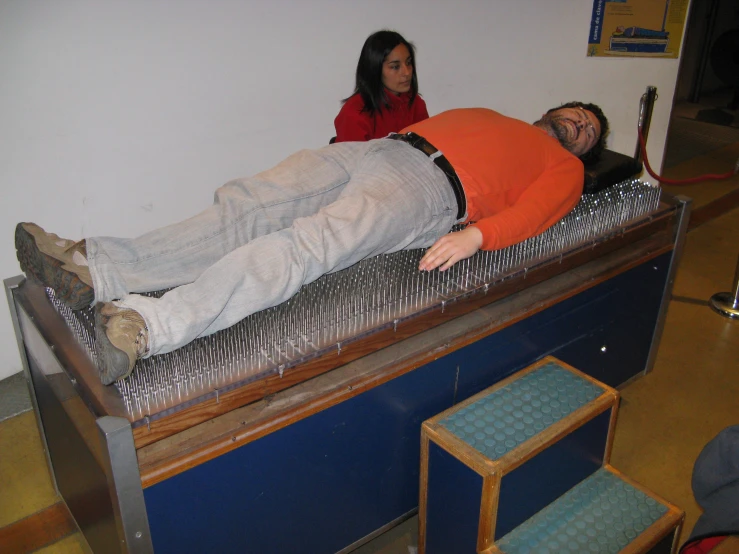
[
  {"x": 605, "y": 513},
  {"x": 497, "y": 459}
]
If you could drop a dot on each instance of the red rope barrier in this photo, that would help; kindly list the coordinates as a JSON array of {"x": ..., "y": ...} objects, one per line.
[{"x": 698, "y": 179}]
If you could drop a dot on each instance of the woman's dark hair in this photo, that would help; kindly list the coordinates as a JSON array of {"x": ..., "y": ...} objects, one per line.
[
  {"x": 594, "y": 153},
  {"x": 369, "y": 70}
]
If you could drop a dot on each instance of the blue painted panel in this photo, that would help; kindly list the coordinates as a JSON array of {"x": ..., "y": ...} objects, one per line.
[
  {"x": 548, "y": 475},
  {"x": 453, "y": 509},
  {"x": 315, "y": 486},
  {"x": 627, "y": 328},
  {"x": 620, "y": 313}
]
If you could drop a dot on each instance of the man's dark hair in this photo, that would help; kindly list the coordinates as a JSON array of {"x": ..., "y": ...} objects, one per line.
[
  {"x": 369, "y": 70},
  {"x": 594, "y": 153}
]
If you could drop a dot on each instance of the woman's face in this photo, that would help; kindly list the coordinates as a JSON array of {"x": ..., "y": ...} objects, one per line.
[{"x": 397, "y": 70}]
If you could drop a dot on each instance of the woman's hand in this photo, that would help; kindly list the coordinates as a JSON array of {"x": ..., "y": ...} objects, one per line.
[{"x": 451, "y": 248}]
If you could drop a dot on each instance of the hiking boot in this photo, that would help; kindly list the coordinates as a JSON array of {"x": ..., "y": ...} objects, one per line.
[
  {"x": 122, "y": 338},
  {"x": 57, "y": 263}
]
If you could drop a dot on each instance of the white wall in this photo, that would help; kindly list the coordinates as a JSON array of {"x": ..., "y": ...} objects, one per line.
[{"x": 120, "y": 116}]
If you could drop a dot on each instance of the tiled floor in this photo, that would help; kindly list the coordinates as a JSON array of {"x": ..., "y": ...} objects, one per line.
[
  {"x": 712, "y": 107},
  {"x": 665, "y": 419},
  {"x": 690, "y": 138},
  {"x": 14, "y": 398},
  {"x": 24, "y": 478}
]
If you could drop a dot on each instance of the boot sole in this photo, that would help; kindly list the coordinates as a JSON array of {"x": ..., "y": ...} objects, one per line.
[
  {"x": 49, "y": 272},
  {"x": 111, "y": 360}
]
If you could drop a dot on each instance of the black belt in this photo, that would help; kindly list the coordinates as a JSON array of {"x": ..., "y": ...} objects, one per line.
[{"x": 438, "y": 158}]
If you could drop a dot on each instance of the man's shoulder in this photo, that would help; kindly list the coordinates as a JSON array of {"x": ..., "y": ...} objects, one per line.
[
  {"x": 481, "y": 119},
  {"x": 460, "y": 120},
  {"x": 470, "y": 113}
]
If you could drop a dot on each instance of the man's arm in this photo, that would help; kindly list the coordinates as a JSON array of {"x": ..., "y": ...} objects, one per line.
[
  {"x": 547, "y": 200},
  {"x": 451, "y": 248}
]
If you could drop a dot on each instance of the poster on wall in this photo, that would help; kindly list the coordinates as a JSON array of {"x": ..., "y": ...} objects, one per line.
[{"x": 644, "y": 28}]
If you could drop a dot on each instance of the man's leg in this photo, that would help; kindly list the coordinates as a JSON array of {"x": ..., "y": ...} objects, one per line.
[
  {"x": 243, "y": 210},
  {"x": 396, "y": 199}
]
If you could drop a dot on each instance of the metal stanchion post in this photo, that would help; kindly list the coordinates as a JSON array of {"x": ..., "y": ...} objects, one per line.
[
  {"x": 646, "y": 106},
  {"x": 727, "y": 303}
]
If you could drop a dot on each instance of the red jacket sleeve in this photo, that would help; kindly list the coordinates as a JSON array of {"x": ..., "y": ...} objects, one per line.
[
  {"x": 352, "y": 124},
  {"x": 547, "y": 200}
]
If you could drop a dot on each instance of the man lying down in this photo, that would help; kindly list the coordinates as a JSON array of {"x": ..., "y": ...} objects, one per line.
[{"x": 317, "y": 212}]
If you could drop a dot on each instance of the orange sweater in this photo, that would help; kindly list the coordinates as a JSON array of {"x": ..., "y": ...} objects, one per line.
[{"x": 518, "y": 181}]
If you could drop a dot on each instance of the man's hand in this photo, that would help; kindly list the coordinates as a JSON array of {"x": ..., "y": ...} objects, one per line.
[{"x": 451, "y": 248}]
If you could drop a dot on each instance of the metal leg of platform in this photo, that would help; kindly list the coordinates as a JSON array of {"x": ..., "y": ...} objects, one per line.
[
  {"x": 681, "y": 233},
  {"x": 92, "y": 460},
  {"x": 10, "y": 285}
]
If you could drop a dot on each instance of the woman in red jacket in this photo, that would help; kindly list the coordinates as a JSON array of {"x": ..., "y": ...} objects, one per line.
[{"x": 385, "y": 98}]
